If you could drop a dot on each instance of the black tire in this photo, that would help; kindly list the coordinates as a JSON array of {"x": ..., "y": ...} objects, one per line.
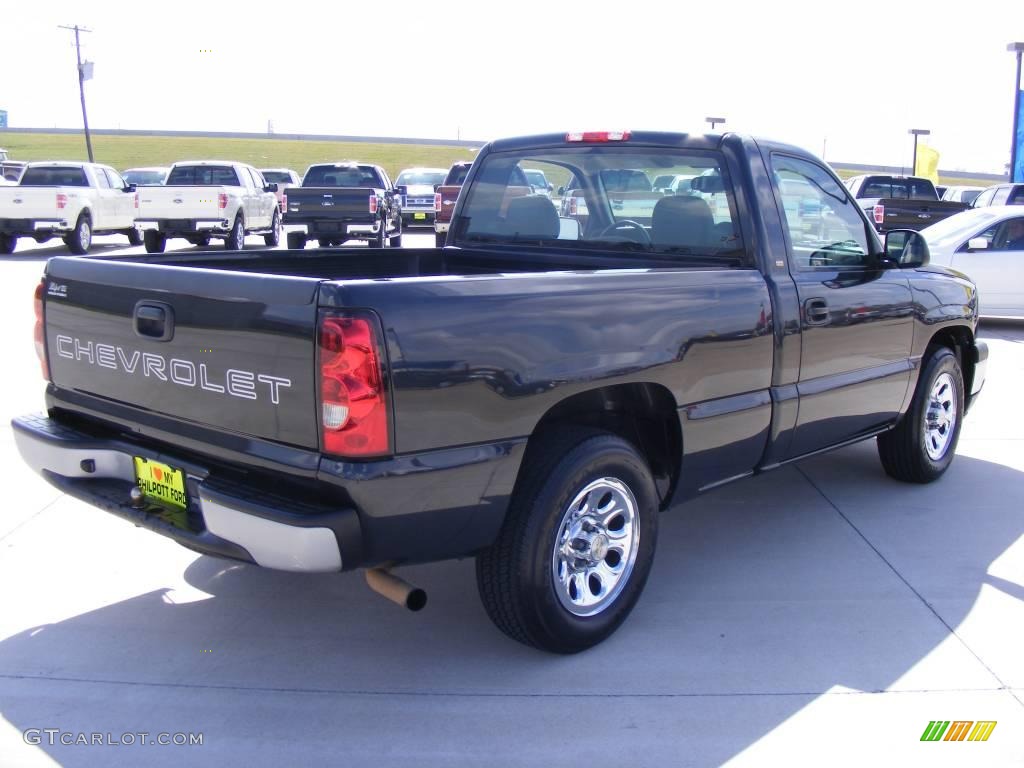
[
  {"x": 516, "y": 576},
  {"x": 79, "y": 239},
  {"x": 201, "y": 240},
  {"x": 296, "y": 241},
  {"x": 134, "y": 236},
  {"x": 439, "y": 238},
  {"x": 908, "y": 452},
  {"x": 380, "y": 240},
  {"x": 154, "y": 241},
  {"x": 235, "y": 241},
  {"x": 274, "y": 237},
  {"x": 324, "y": 242},
  {"x": 7, "y": 243}
]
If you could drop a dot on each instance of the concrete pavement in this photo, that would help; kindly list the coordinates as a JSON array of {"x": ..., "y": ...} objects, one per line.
[{"x": 821, "y": 614}]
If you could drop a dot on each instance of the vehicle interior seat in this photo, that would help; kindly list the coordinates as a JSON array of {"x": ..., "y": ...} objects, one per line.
[
  {"x": 683, "y": 220},
  {"x": 330, "y": 180},
  {"x": 531, "y": 216}
]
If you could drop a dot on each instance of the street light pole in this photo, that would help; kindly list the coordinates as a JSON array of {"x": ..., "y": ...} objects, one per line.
[
  {"x": 917, "y": 132},
  {"x": 714, "y": 121},
  {"x": 81, "y": 85},
  {"x": 1015, "y": 48}
]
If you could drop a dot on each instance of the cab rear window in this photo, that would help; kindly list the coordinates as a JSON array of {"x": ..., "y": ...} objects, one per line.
[
  {"x": 604, "y": 199},
  {"x": 202, "y": 176},
  {"x": 56, "y": 176}
]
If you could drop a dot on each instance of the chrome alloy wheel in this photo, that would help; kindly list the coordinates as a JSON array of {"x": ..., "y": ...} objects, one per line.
[
  {"x": 85, "y": 235},
  {"x": 940, "y": 418},
  {"x": 596, "y": 547}
]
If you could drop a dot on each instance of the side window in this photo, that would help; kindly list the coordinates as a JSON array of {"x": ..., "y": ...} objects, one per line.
[
  {"x": 1001, "y": 196},
  {"x": 101, "y": 178},
  {"x": 257, "y": 179},
  {"x": 114, "y": 178},
  {"x": 1009, "y": 236},
  {"x": 985, "y": 198},
  {"x": 825, "y": 226},
  {"x": 1016, "y": 195}
]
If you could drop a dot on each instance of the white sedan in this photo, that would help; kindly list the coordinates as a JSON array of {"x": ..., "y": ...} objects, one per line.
[{"x": 985, "y": 244}]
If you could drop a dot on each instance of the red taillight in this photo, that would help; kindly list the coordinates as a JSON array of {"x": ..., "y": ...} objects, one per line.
[
  {"x": 222, "y": 200},
  {"x": 590, "y": 137},
  {"x": 62, "y": 201},
  {"x": 40, "y": 336},
  {"x": 373, "y": 203},
  {"x": 353, "y": 401},
  {"x": 879, "y": 212},
  {"x": 284, "y": 202},
  {"x": 136, "y": 199},
  {"x": 437, "y": 202},
  {"x": 572, "y": 206}
]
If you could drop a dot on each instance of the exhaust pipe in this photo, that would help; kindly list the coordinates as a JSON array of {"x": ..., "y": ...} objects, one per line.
[{"x": 395, "y": 589}]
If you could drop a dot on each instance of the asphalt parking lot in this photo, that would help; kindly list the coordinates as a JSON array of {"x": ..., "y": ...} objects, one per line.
[{"x": 822, "y": 614}]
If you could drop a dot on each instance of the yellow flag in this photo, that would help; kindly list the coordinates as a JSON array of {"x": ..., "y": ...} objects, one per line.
[{"x": 927, "y": 165}]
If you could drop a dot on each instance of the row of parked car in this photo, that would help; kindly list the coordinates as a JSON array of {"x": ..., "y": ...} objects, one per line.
[{"x": 207, "y": 200}]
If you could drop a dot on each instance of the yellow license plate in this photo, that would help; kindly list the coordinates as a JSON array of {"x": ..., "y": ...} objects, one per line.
[
  {"x": 161, "y": 483},
  {"x": 419, "y": 216}
]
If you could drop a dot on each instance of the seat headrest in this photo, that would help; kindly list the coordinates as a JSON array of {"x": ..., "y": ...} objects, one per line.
[
  {"x": 682, "y": 220},
  {"x": 532, "y": 216}
]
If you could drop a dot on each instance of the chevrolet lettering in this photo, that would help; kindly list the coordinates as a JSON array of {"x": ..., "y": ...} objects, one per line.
[{"x": 533, "y": 395}]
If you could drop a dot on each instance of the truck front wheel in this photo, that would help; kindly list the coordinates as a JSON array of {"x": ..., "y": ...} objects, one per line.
[
  {"x": 921, "y": 447},
  {"x": 80, "y": 238},
  {"x": 154, "y": 241},
  {"x": 235, "y": 241},
  {"x": 7, "y": 243},
  {"x": 274, "y": 237},
  {"x": 577, "y": 544},
  {"x": 296, "y": 241},
  {"x": 134, "y": 236}
]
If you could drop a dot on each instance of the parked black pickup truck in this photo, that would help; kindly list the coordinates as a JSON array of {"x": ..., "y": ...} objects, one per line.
[
  {"x": 532, "y": 396},
  {"x": 344, "y": 201},
  {"x": 901, "y": 202}
]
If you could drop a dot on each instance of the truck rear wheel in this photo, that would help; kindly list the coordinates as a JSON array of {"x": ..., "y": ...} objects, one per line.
[
  {"x": 275, "y": 231},
  {"x": 296, "y": 241},
  {"x": 134, "y": 236},
  {"x": 80, "y": 238},
  {"x": 380, "y": 240},
  {"x": 921, "y": 447},
  {"x": 577, "y": 544},
  {"x": 154, "y": 241},
  {"x": 201, "y": 240},
  {"x": 7, "y": 243},
  {"x": 325, "y": 242},
  {"x": 439, "y": 238},
  {"x": 235, "y": 241}
]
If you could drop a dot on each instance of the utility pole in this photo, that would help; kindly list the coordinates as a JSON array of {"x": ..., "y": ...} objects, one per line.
[{"x": 81, "y": 84}]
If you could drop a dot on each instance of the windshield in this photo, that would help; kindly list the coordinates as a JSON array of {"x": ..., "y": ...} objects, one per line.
[
  {"x": 341, "y": 176},
  {"x": 536, "y": 179},
  {"x": 959, "y": 227},
  {"x": 54, "y": 176},
  {"x": 457, "y": 175},
  {"x": 427, "y": 177},
  {"x": 277, "y": 177},
  {"x": 144, "y": 178},
  {"x": 610, "y": 204}
]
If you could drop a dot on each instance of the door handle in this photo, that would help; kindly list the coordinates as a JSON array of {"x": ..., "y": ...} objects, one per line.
[{"x": 816, "y": 312}]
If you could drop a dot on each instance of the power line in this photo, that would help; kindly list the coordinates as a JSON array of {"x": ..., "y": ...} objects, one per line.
[{"x": 81, "y": 83}]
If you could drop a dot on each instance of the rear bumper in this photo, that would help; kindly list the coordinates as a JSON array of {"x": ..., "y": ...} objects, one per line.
[
  {"x": 172, "y": 227},
  {"x": 30, "y": 227},
  {"x": 296, "y": 510},
  {"x": 225, "y": 519}
]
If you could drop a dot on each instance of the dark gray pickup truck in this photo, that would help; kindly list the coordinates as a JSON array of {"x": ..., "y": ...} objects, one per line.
[
  {"x": 337, "y": 202},
  {"x": 901, "y": 202},
  {"x": 533, "y": 395}
]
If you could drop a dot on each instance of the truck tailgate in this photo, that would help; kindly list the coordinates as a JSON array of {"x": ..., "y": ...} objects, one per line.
[
  {"x": 180, "y": 203},
  {"x": 230, "y": 350},
  {"x": 917, "y": 214},
  {"x": 32, "y": 202},
  {"x": 330, "y": 202}
]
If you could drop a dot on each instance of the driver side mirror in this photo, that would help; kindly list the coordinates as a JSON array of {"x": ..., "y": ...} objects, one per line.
[
  {"x": 271, "y": 187},
  {"x": 907, "y": 248},
  {"x": 561, "y": 191},
  {"x": 129, "y": 188},
  {"x": 977, "y": 244}
]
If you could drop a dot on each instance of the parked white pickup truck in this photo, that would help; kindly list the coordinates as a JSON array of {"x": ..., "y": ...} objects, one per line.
[
  {"x": 207, "y": 199},
  {"x": 69, "y": 200}
]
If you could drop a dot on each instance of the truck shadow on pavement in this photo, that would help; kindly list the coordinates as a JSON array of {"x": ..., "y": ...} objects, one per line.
[{"x": 764, "y": 596}]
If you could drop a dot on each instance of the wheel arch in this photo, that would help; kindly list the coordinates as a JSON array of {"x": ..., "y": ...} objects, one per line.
[
  {"x": 958, "y": 339},
  {"x": 644, "y": 414}
]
